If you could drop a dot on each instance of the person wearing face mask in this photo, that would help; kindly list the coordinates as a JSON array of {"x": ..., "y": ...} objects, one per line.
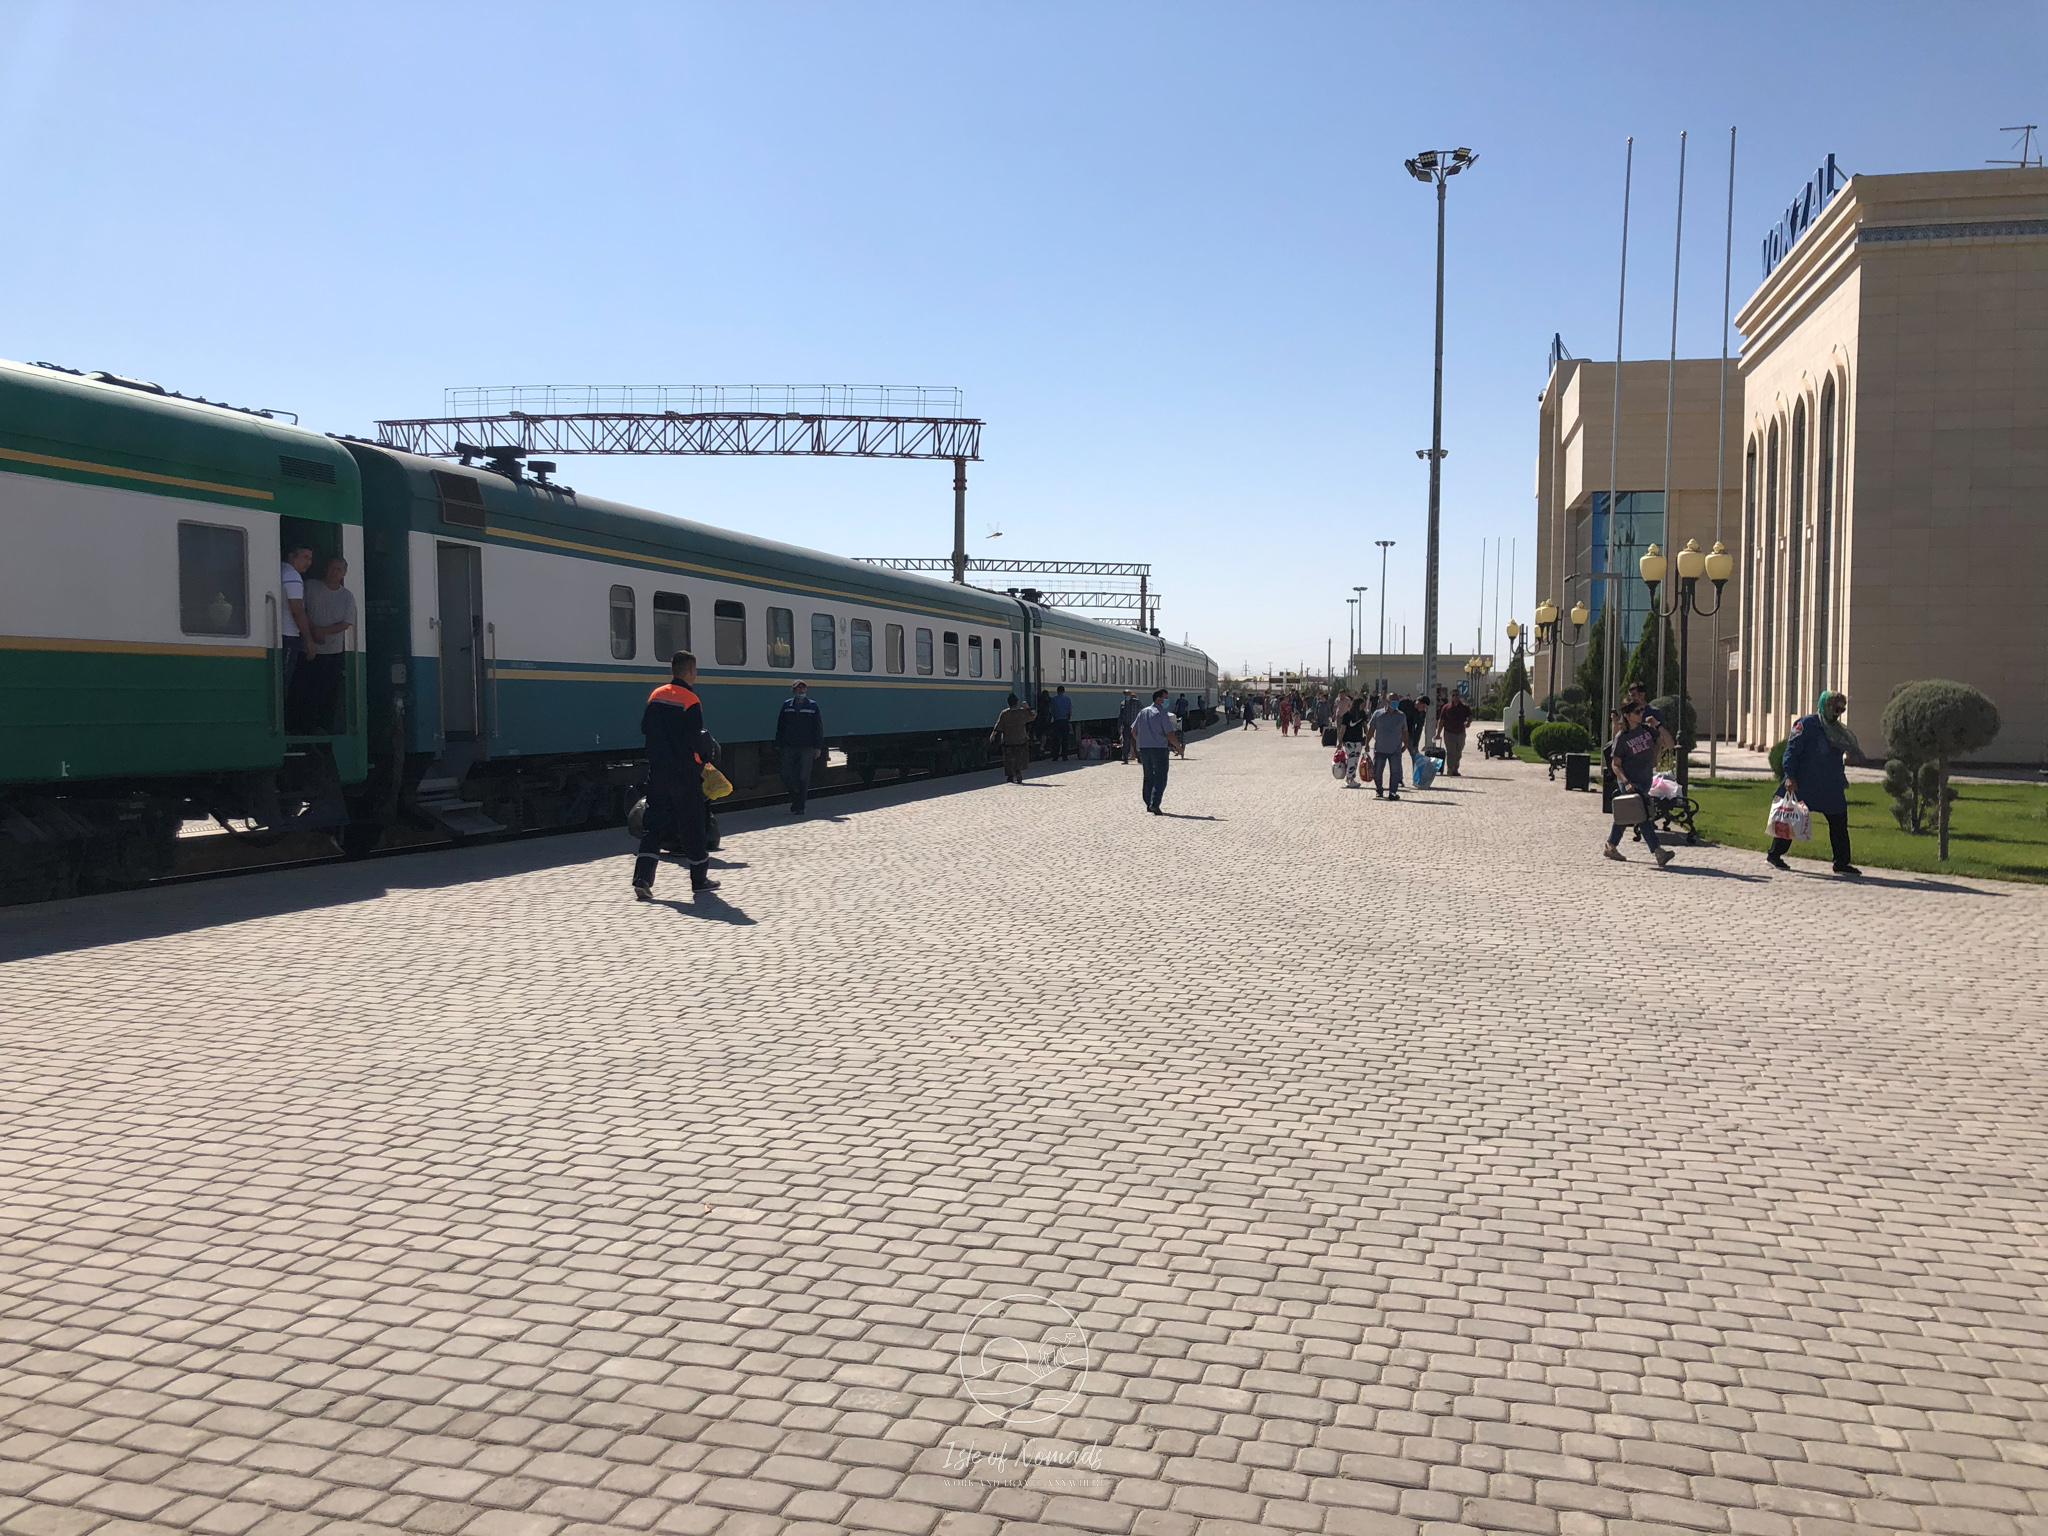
[{"x": 800, "y": 733}]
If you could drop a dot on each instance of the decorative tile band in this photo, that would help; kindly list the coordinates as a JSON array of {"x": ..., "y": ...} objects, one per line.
[{"x": 1992, "y": 230}]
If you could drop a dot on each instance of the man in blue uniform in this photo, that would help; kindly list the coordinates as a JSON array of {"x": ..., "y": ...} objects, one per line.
[
  {"x": 677, "y": 746},
  {"x": 800, "y": 733},
  {"x": 1157, "y": 733},
  {"x": 1062, "y": 724}
]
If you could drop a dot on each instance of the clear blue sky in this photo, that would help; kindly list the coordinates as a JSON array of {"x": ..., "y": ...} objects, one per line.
[{"x": 1168, "y": 250}]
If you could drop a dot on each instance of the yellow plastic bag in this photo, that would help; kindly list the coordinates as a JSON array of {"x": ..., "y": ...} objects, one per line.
[{"x": 716, "y": 785}]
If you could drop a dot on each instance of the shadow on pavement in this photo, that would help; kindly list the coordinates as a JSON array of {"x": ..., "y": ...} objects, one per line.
[
  {"x": 709, "y": 907},
  {"x": 121, "y": 917}
]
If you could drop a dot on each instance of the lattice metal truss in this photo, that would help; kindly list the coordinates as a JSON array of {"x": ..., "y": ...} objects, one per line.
[
  {"x": 1132, "y": 594},
  {"x": 713, "y": 432},
  {"x": 1020, "y": 567}
]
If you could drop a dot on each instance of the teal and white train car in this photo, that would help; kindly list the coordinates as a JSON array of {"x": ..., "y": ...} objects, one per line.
[{"x": 512, "y": 631}]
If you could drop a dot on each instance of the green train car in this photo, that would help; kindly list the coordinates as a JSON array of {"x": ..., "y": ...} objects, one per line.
[{"x": 510, "y": 632}]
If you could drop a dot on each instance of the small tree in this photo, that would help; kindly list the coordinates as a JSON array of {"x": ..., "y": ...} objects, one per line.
[
  {"x": 1929, "y": 725},
  {"x": 1591, "y": 677},
  {"x": 1642, "y": 662}
]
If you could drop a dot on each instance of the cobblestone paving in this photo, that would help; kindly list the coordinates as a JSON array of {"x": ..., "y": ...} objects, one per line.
[{"x": 1388, "y": 1168}]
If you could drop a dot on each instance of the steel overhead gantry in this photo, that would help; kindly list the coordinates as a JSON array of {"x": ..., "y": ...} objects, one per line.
[
  {"x": 1142, "y": 598},
  {"x": 887, "y": 421}
]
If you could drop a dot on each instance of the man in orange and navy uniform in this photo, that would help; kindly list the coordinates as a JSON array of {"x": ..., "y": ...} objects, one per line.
[{"x": 677, "y": 746}]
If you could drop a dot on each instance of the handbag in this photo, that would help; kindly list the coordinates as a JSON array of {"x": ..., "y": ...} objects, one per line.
[
  {"x": 716, "y": 785},
  {"x": 1630, "y": 810},
  {"x": 1789, "y": 819}
]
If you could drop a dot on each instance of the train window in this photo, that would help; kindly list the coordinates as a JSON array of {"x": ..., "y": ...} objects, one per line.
[
  {"x": 995, "y": 658},
  {"x": 1016, "y": 652},
  {"x": 213, "y": 580},
  {"x": 952, "y": 644},
  {"x": 622, "y": 624},
  {"x": 863, "y": 645},
  {"x": 671, "y": 624},
  {"x": 924, "y": 653},
  {"x": 729, "y": 633},
  {"x": 974, "y": 655},
  {"x": 824, "y": 642},
  {"x": 781, "y": 638},
  {"x": 1084, "y": 668},
  {"x": 892, "y": 647}
]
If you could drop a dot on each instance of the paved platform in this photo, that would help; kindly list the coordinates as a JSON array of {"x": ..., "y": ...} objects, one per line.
[{"x": 1294, "y": 1162}]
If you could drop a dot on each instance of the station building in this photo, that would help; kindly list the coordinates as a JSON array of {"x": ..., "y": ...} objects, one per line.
[
  {"x": 1888, "y": 504},
  {"x": 1575, "y": 464},
  {"x": 1895, "y": 456}
]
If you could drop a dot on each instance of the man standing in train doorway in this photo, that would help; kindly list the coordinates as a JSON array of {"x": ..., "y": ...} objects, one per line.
[
  {"x": 677, "y": 748},
  {"x": 800, "y": 734},
  {"x": 1157, "y": 734}
]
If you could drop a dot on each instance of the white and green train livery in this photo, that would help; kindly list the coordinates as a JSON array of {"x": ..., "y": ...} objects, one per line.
[{"x": 511, "y": 632}]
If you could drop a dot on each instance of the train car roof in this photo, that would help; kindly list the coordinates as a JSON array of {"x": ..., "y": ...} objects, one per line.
[
  {"x": 544, "y": 516},
  {"x": 137, "y": 436}
]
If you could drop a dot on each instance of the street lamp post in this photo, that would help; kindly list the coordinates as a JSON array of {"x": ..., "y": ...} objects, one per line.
[
  {"x": 1361, "y": 591},
  {"x": 1717, "y": 567},
  {"x": 1546, "y": 634},
  {"x": 1437, "y": 166},
  {"x": 1516, "y": 654},
  {"x": 1352, "y": 604},
  {"x": 1379, "y": 683}
]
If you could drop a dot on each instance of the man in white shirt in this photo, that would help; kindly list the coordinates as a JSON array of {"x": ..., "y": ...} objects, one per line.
[
  {"x": 331, "y": 612},
  {"x": 1156, "y": 733},
  {"x": 295, "y": 629}
]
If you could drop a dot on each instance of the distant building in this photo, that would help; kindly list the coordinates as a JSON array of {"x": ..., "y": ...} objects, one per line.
[
  {"x": 1403, "y": 672},
  {"x": 1574, "y": 462}
]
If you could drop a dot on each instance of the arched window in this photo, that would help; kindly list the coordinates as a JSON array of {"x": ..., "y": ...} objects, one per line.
[
  {"x": 1795, "y": 560},
  {"x": 1750, "y": 547},
  {"x": 1767, "y": 582},
  {"x": 1824, "y": 519}
]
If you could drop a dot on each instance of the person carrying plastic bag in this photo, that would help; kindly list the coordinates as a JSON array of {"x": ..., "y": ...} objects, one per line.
[{"x": 1814, "y": 779}]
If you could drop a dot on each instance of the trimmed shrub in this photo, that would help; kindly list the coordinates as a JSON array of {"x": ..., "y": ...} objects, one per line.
[
  {"x": 1667, "y": 711},
  {"x": 1778, "y": 758},
  {"x": 1929, "y": 725},
  {"x": 1559, "y": 737},
  {"x": 1526, "y": 730}
]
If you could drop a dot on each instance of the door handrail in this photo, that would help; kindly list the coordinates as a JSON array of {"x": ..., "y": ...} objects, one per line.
[
  {"x": 491, "y": 637},
  {"x": 273, "y": 683}
]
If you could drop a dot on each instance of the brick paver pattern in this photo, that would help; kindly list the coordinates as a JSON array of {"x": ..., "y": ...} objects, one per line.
[{"x": 1408, "y": 1168}]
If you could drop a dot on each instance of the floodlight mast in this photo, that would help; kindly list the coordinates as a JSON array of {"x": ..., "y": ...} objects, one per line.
[{"x": 1438, "y": 166}]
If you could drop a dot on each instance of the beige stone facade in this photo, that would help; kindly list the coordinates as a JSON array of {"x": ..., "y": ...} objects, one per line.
[
  {"x": 1895, "y": 456},
  {"x": 1574, "y": 462}
]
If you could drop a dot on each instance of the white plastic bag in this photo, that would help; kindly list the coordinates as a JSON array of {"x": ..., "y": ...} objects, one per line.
[
  {"x": 1664, "y": 787},
  {"x": 1789, "y": 819}
]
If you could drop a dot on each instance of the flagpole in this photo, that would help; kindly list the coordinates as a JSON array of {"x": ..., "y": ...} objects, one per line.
[
  {"x": 1670, "y": 402},
  {"x": 1610, "y": 601},
  {"x": 1714, "y": 673}
]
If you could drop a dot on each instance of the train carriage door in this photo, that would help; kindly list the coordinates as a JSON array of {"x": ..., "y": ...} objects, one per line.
[{"x": 460, "y": 569}]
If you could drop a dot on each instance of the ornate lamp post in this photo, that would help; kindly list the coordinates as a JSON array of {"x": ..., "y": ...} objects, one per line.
[
  {"x": 1475, "y": 669},
  {"x": 1515, "y": 633},
  {"x": 1717, "y": 567},
  {"x": 1546, "y": 633}
]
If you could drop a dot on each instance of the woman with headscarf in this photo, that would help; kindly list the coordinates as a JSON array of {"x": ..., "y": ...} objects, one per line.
[{"x": 1812, "y": 774}]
